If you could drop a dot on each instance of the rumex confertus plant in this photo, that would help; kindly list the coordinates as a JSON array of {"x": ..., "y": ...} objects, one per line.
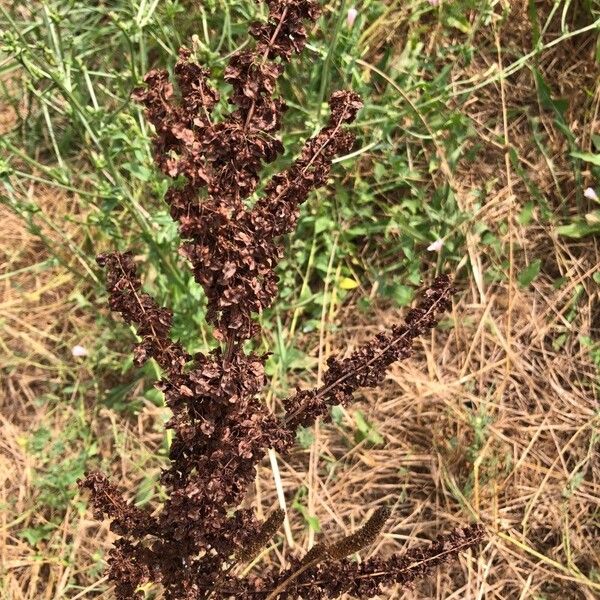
[{"x": 193, "y": 543}]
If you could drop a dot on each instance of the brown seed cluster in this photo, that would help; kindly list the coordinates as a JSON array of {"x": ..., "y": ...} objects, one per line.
[
  {"x": 366, "y": 366},
  {"x": 233, "y": 251},
  {"x": 221, "y": 429},
  {"x": 331, "y": 578},
  {"x": 153, "y": 323}
]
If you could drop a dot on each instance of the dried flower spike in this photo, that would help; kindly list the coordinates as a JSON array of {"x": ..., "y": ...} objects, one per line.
[{"x": 221, "y": 430}]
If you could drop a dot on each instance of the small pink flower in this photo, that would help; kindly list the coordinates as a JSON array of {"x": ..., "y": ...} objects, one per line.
[
  {"x": 434, "y": 2},
  {"x": 78, "y": 351},
  {"x": 590, "y": 194},
  {"x": 352, "y": 14},
  {"x": 435, "y": 246}
]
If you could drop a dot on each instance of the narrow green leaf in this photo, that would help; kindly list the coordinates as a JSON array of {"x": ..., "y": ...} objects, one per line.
[
  {"x": 577, "y": 229},
  {"x": 145, "y": 491},
  {"x": 588, "y": 157}
]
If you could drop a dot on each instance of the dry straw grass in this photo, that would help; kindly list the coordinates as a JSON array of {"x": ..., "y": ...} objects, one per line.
[{"x": 490, "y": 420}]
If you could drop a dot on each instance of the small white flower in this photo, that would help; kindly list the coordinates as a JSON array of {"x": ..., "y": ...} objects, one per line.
[
  {"x": 590, "y": 194},
  {"x": 435, "y": 246},
  {"x": 352, "y": 14},
  {"x": 78, "y": 351}
]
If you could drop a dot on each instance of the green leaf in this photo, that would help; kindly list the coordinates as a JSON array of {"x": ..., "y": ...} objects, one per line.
[
  {"x": 155, "y": 396},
  {"x": 324, "y": 224},
  {"x": 380, "y": 171},
  {"x": 40, "y": 440},
  {"x": 145, "y": 491},
  {"x": 535, "y": 23},
  {"x": 366, "y": 431},
  {"x": 140, "y": 172},
  {"x": 311, "y": 520},
  {"x": 364, "y": 305},
  {"x": 559, "y": 342},
  {"x": 594, "y": 159},
  {"x": 527, "y": 275},
  {"x": 403, "y": 295},
  {"x": 313, "y": 523},
  {"x": 524, "y": 217},
  {"x": 558, "y": 105},
  {"x": 559, "y": 282},
  {"x": 305, "y": 437},
  {"x": 337, "y": 414},
  {"x": 578, "y": 229},
  {"x": 35, "y": 535},
  {"x": 459, "y": 23},
  {"x": 297, "y": 360}
]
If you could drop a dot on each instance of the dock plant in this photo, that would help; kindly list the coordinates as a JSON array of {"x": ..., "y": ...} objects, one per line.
[{"x": 231, "y": 221}]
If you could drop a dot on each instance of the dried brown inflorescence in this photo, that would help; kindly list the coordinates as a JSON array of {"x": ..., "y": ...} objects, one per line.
[
  {"x": 331, "y": 576},
  {"x": 220, "y": 428}
]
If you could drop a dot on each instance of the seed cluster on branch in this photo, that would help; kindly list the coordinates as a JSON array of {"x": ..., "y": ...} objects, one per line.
[
  {"x": 221, "y": 430},
  {"x": 330, "y": 578}
]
